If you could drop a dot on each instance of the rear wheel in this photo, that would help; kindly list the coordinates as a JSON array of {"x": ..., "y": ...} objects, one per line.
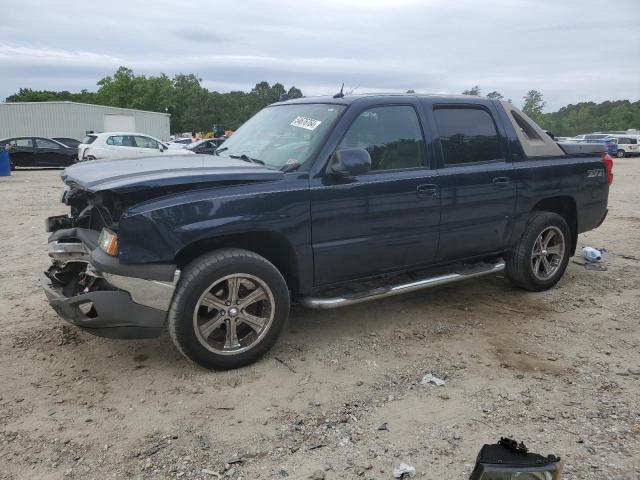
[
  {"x": 539, "y": 260},
  {"x": 229, "y": 308},
  {"x": 620, "y": 154}
]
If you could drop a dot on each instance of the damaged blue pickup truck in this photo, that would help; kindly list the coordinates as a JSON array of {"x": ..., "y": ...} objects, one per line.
[{"x": 326, "y": 202}]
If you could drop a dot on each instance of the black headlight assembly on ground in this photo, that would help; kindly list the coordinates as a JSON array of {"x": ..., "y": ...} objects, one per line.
[{"x": 510, "y": 460}]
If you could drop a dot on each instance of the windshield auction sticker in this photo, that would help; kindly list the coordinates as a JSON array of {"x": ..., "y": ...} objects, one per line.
[{"x": 306, "y": 122}]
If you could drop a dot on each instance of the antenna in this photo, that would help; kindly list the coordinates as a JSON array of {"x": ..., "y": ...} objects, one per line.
[{"x": 340, "y": 94}]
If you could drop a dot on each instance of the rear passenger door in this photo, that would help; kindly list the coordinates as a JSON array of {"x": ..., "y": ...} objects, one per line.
[
  {"x": 478, "y": 193},
  {"x": 49, "y": 153}
]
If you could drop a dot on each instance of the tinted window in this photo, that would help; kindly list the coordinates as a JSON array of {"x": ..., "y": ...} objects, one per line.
[
  {"x": 467, "y": 135},
  {"x": 391, "y": 135},
  {"x": 89, "y": 139},
  {"x": 146, "y": 142},
  {"x": 44, "y": 143}
]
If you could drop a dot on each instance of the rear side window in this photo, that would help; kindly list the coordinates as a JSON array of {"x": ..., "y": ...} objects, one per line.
[
  {"x": 45, "y": 143},
  {"x": 89, "y": 139},
  {"x": 121, "y": 141},
  {"x": 22, "y": 142},
  {"x": 467, "y": 135},
  {"x": 391, "y": 135}
]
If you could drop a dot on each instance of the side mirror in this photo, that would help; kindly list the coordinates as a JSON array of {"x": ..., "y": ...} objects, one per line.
[
  {"x": 349, "y": 162},
  {"x": 162, "y": 147}
]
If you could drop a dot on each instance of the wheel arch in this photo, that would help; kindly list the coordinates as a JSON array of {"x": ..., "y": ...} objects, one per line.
[
  {"x": 566, "y": 207},
  {"x": 273, "y": 246}
]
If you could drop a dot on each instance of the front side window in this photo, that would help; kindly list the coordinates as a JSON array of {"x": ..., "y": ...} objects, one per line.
[
  {"x": 44, "y": 143},
  {"x": 283, "y": 135},
  {"x": 391, "y": 135},
  {"x": 146, "y": 142},
  {"x": 467, "y": 135}
]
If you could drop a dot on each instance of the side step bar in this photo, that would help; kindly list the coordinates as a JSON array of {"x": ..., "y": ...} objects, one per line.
[{"x": 391, "y": 290}]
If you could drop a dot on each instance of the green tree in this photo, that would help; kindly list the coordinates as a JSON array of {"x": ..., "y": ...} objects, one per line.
[
  {"x": 294, "y": 92},
  {"x": 495, "y": 95},
  {"x": 475, "y": 91},
  {"x": 533, "y": 104}
]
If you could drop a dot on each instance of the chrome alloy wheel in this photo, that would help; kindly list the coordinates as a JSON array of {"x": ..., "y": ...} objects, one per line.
[
  {"x": 547, "y": 253},
  {"x": 233, "y": 314}
]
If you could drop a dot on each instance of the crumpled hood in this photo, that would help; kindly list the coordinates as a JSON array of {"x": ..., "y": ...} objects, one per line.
[{"x": 125, "y": 176}]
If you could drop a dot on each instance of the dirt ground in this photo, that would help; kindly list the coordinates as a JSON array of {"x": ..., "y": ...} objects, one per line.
[{"x": 340, "y": 394}]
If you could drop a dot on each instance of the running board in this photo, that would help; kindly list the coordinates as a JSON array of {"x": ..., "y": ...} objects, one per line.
[{"x": 391, "y": 290}]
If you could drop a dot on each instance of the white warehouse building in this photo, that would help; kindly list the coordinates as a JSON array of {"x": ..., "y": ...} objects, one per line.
[{"x": 75, "y": 120}]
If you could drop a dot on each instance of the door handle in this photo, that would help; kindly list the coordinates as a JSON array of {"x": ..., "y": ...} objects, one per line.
[
  {"x": 501, "y": 181},
  {"x": 427, "y": 190}
]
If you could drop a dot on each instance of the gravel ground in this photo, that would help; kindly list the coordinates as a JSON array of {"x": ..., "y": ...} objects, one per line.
[{"x": 340, "y": 394}]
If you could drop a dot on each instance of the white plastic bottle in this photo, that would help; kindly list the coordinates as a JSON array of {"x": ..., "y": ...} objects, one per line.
[{"x": 591, "y": 254}]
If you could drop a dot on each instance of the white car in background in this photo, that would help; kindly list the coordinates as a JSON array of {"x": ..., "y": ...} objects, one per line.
[
  {"x": 113, "y": 145},
  {"x": 179, "y": 143}
]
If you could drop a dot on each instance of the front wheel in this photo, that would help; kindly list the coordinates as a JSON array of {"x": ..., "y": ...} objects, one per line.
[
  {"x": 620, "y": 154},
  {"x": 228, "y": 309},
  {"x": 541, "y": 256}
]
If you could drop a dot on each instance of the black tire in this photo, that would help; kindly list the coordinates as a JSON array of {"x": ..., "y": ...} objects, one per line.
[
  {"x": 621, "y": 154},
  {"x": 520, "y": 261},
  {"x": 197, "y": 280}
]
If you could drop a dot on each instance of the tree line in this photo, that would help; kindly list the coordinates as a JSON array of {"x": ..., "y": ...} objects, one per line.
[{"x": 193, "y": 107}]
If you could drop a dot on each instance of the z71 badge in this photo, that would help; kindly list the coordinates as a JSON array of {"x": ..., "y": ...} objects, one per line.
[{"x": 596, "y": 172}]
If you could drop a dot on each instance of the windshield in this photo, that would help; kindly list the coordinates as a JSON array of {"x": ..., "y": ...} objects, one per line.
[{"x": 283, "y": 135}]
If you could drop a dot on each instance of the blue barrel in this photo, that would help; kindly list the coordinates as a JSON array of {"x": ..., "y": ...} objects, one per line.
[{"x": 5, "y": 167}]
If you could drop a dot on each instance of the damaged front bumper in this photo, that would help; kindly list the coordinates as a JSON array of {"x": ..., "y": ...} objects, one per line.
[{"x": 94, "y": 291}]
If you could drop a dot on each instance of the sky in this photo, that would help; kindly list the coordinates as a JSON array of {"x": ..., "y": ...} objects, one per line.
[{"x": 570, "y": 50}]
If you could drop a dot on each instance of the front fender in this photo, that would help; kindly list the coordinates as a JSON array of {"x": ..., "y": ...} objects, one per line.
[{"x": 157, "y": 230}]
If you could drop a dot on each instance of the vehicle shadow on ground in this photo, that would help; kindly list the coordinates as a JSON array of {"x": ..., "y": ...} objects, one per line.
[{"x": 486, "y": 304}]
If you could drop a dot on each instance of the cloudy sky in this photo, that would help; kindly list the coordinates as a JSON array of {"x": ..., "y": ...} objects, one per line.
[{"x": 571, "y": 50}]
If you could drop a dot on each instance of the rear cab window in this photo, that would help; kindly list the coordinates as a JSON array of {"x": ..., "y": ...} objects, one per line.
[
  {"x": 467, "y": 135},
  {"x": 89, "y": 139}
]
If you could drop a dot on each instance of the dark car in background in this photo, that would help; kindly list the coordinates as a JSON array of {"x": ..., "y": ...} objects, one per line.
[
  {"x": 207, "y": 145},
  {"x": 38, "y": 152},
  {"x": 69, "y": 142}
]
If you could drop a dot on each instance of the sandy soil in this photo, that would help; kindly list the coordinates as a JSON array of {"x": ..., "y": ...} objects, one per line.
[{"x": 339, "y": 396}]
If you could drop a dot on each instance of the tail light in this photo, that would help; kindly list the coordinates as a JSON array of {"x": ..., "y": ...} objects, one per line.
[{"x": 608, "y": 166}]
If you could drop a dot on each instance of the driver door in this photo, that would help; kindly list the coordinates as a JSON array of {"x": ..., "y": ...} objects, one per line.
[{"x": 386, "y": 219}]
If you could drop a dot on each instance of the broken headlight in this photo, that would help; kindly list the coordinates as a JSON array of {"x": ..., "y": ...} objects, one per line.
[
  {"x": 509, "y": 460},
  {"x": 108, "y": 242}
]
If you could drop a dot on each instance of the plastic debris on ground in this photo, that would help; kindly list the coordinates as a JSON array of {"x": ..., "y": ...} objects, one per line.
[
  {"x": 404, "y": 471},
  {"x": 591, "y": 254},
  {"x": 430, "y": 378}
]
